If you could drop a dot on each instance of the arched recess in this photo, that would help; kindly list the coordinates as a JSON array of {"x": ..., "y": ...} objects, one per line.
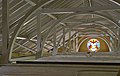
[
  {"x": 99, "y": 31},
  {"x": 112, "y": 32},
  {"x": 97, "y": 24},
  {"x": 104, "y": 46},
  {"x": 34, "y": 9}
]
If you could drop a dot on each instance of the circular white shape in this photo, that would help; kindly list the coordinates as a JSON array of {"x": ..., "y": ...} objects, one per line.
[{"x": 93, "y": 45}]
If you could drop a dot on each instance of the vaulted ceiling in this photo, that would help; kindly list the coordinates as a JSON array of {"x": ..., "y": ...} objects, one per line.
[{"x": 32, "y": 21}]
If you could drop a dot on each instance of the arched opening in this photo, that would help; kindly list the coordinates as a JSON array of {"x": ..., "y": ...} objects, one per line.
[{"x": 90, "y": 44}]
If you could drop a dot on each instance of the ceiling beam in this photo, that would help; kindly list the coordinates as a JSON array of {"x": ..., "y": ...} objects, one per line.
[
  {"x": 49, "y": 44},
  {"x": 80, "y": 9},
  {"x": 52, "y": 16},
  {"x": 34, "y": 42},
  {"x": 25, "y": 47},
  {"x": 89, "y": 24},
  {"x": 95, "y": 24},
  {"x": 83, "y": 20},
  {"x": 89, "y": 29},
  {"x": 30, "y": 2}
]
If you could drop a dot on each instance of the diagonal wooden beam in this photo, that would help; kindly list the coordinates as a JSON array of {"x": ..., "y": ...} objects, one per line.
[
  {"x": 30, "y": 2},
  {"x": 25, "y": 47}
]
